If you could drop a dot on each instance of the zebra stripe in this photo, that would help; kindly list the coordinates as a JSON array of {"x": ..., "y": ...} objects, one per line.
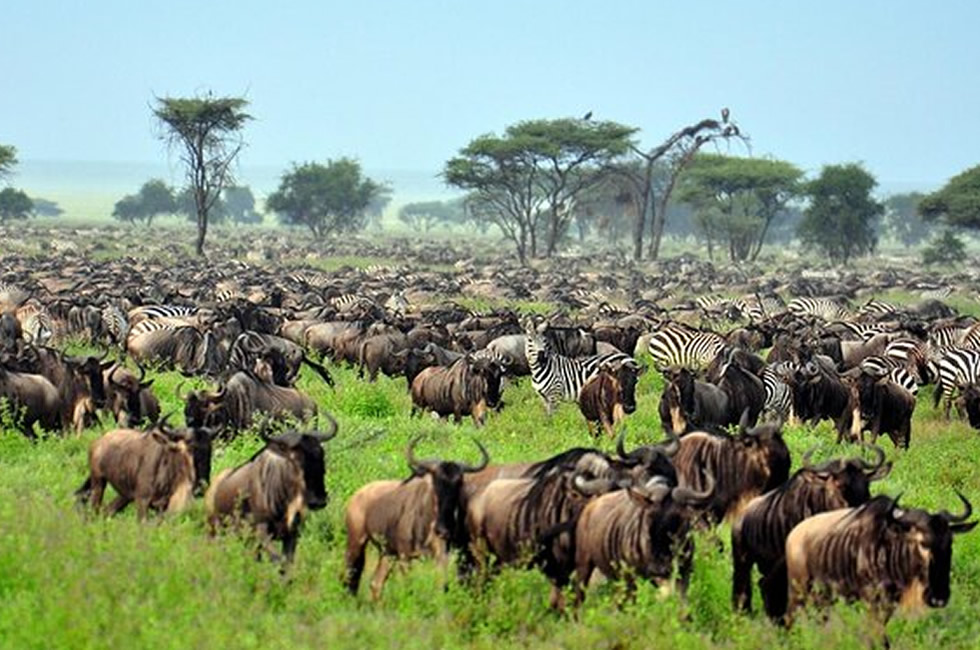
[
  {"x": 894, "y": 369},
  {"x": 876, "y": 309},
  {"x": 779, "y": 396},
  {"x": 115, "y": 323},
  {"x": 676, "y": 345},
  {"x": 825, "y": 308},
  {"x": 153, "y": 325},
  {"x": 161, "y": 311},
  {"x": 556, "y": 378},
  {"x": 36, "y": 324},
  {"x": 957, "y": 368}
]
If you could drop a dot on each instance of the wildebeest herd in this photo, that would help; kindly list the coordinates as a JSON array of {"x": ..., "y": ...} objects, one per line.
[{"x": 779, "y": 349}]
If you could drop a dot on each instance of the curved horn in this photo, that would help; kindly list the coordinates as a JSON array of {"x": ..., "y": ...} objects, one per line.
[
  {"x": 869, "y": 467},
  {"x": 808, "y": 456},
  {"x": 591, "y": 487},
  {"x": 621, "y": 444},
  {"x": 955, "y": 519},
  {"x": 142, "y": 372},
  {"x": 483, "y": 463},
  {"x": 112, "y": 376},
  {"x": 162, "y": 422},
  {"x": 673, "y": 445},
  {"x": 691, "y": 497},
  {"x": 418, "y": 466},
  {"x": 330, "y": 435},
  {"x": 177, "y": 390}
]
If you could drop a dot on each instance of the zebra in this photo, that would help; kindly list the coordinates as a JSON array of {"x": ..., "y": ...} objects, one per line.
[
  {"x": 556, "y": 377},
  {"x": 779, "y": 395},
  {"x": 916, "y": 356},
  {"x": 678, "y": 345},
  {"x": 758, "y": 308},
  {"x": 957, "y": 368},
  {"x": 150, "y": 312},
  {"x": 115, "y": 325},
  {"x": 825, "y": 308},
  {"x": 875, "y": 310},
  {"x": 153, "y": 325},
  {"x": 950, "y": 336},
  {"x": 938, "y": 293},
  {"x": 861, "y": 331},
  {"x": 894, "y": 369},
  {"x": 36, "y": 324}
]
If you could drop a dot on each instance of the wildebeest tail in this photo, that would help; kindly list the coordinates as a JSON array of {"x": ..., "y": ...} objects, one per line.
[
  {"x": 85, "y": 489},
  {"x": 320, "y": 370}
]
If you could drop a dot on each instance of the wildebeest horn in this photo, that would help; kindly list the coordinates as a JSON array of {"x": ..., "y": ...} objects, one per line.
[
  {"x": 691, "y": 497},
  {"x": 590, "y": 487},
  {"x": 673, "y": 445},
  {"x": 142, "y": 372},
  {"x": 112, "y": 376},
  {"x": 653, "y": 490},
  {"x": 871, "y": 468},
  {"x": 162, "y": 422},
  {"x": 955, "y": 519},
  {"x": 483, "y": 463},
  {"x": 621, "y": 444},
  {"x": 417, "y": 465},
  {"x": 177, "y": 390},
  {"x": 808, "y": 455},
  {"x": 330, "y": 435}
]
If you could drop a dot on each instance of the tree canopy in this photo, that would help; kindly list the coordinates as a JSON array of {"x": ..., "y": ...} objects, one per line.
[
  {"x": 153, "y": 199},
  {"x": 14, "y": 204},
  {"x": 534, "y": 173},
  {"x": 425, "y": 215},
  {"x": 46, "y": 207},
  {"x": 841, "y": 217},
  {"x": 738, "y": 198},
  {"x": 208, "y": 132},
  {"x": 8, "y": 158},
  {"x": 957, "y": 203},
  {"x": 903, "y": 220},
  {"x": 239, "y": 205},
  {"x": 331, "y": 198}
]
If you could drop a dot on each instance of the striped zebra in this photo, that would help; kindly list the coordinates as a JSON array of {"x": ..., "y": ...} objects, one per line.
[
  {"x": 825, "y": 308},
  {"x": 36, "y": 324},
  {"x": 153, "y": 325},
  {"x": 938, "y": 293},
  {"x": 860, "y": 331},
  {"x": 916, "y": 356},
  {"x": 115, "y": 324},
  {"x": 949, "y": 336},
  {"x": 884, "y": 366},
  {"x": 678, "y": 345},
  {"x": 957, "y": 368},
  {"x": 556, "y": 378},
  {"x": 758, "y": 308},
  {"x": 779, "y": 395},
  {"x": 875, "y": 309},
  {"x": 150, "y": 312},
  {"x": 312, "y": 279}
]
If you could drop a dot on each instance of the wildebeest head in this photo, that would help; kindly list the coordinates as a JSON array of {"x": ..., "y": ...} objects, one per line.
[
  {"x": 766, "y": 451},
  {"x": 491, "y": 372},
  {"x": 198, "y": 441},
  {"x": 930, "y": 539},
  {"x": 125, "y": 389},
  {"x": 851, "y": 478},
  {"x": 447, "y": 483},
  {"x": 650, "y": 461},
  {"x": 90, "y": 369},
  {"x": 627, "y": 373},
  {"x": 306, "y": 450},
  {"x": 411, "y": 361},
  {"x": 203, "y": 409}
]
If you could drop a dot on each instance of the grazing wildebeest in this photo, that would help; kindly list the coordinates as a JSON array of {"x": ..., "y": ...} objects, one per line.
[
  {"x": 157, "y": 469},
  {"x": 274, "y": 489},
  {"x": 128, "y": 397},
  {"x": 759, "y": 533},
  {"x": 881, "y": 406},
  {"x": 32, "y": 398},
  {"x": 877, "y": 552},
  {"x": 609, "y": 396},
  {"x": 234, "y": 405},
  {"x": 687, "y": 402},
  {"x": 742, "y": 466},
  {"x": 422, "y": 515},
  {"x": 468, "y": 387},
  {"x": 640, "y": 530}
]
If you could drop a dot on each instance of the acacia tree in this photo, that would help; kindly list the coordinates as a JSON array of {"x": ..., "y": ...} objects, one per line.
[
  {"x": 533, "y": 174},
  {"x": 208, "y": 130},
  {"x": 8, "y": 158},
  {"x": 331, "y": 198},
  {"x": 903, "y": 219},
  {"x": 957, "y": 203},
  {"x": 739, "y": 198},
  {"x": 239, "y": 205},
  {"x": 652, "y": 176},
  {"x": 842, "y": 214},
  {"x": 14, "y": 204},
  {"x": 422, "y": 216},
  {"x": 154, "y": 198}
]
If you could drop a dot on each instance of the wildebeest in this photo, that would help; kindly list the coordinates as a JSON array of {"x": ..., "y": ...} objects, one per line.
[
  {"x": 639, "y": 530},
  {"x": 376, "y": 354},
  {"x": 128, "y": 397},
  {"x": 274, "y": 489},
  {"x": 234, "y": 405},
  {"x": 881, "y": 406},
  {"x": 406, "y": 519},
  {"x": 288, "y": 357},
  {"x": 468, "y": 387},
  {"x": 158, "y": 468},
  {"x": 759, "y": 533},
  {"x": 970, "y": 401},
  {"x": 183, "y": 347},
  {"x": 32, "y": 399},
  {"x": 877, "y": 552},
  {"x": 609, "y": 396},
  {"x": 688, "y": 402},
  {"x": 742, "y": 466}
]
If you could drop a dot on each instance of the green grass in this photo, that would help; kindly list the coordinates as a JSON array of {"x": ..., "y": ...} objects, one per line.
[{"x": 71, "y": 579}]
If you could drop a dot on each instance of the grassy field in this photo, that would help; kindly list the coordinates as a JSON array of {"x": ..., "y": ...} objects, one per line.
[{"x": 69, "y": 579}]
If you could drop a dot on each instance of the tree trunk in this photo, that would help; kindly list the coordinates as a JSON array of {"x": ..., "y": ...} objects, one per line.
[{"x": 202, "y": 232}]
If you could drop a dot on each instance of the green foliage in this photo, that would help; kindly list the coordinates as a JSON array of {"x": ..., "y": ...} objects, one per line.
[
  {"x": 946, "y": 248},
  {"x": 208, "y": 131},
  {"x": 8, "y": 159},
  {"x": 14, "y": 204},
  {"x": 239, "y": 205},
  {"x": 328, "y": 199},
  {"x": 46, "y": 207},
  {"x": 154, "y": 198},
  {"x": 903, "y": 219},
  {"x": 425, "y": 215},
  {"x": 738, "y": 199},
  {"x": 535, "y": 172},
  {"x": 957, "y": 203},
  {"x": 841, "y": 217}
]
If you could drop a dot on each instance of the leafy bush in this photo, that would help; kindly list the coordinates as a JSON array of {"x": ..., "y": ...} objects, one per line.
[{"x": 947, "y": 248}]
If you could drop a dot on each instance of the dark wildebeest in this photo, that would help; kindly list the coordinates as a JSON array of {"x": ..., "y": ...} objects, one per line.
[
  {"x": 759, "y": 533},
  {"x": 157, "y": 469},
  {"x": 608, "y": 397},
  {"x": 881, "y": 406},
  {"x": 285, "y": 356},
  {"x": 422, "y": 515},
  {"x": 128, "y": 397},
  {"x": 516, "y": 520},
  {"x": 742, "y": 466},
  {"x": 640, "y": 530},
  {"x": 414, "y": 360},
  {"x": 877, "y": 552},
  {"x": 687, "y": 403},
  {"x": 234, "y": 405},
  {"x": 81, "y": 389},
  {"x": 376, "y": 354},
  {"x": 820, "y": 394},
  {"x": 468, "y": 387},
  {"x": 970, "y": 402},
  {"x": 274, "y": 488},
  {"x": 33, "y": 398}
]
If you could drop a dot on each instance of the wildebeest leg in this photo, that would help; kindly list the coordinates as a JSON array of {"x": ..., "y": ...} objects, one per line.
[
  {"x": 380, "y": 576},
  {"x": 741, "y": 578},
  {"x": 118, "y": 504},
  {"x": 97, "y": 492},
  {"x": 593, "y": 429},
  {"x": 774, "y": 586},
  {"x": 354, "y": 561},
  {"x": 289, "y": 542},
  {"x": 583, "y": 573}
]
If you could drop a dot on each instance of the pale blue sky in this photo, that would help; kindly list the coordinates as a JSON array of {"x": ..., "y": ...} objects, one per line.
[{"x": 403, "y": 85}]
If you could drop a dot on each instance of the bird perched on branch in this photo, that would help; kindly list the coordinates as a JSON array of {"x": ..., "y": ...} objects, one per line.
[{"x": 587, "y": 116}]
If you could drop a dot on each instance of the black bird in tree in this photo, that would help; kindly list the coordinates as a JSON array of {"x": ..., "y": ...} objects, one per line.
[
  {"x": 587, "y": 116},
  {"x": 724, "y": 115}
]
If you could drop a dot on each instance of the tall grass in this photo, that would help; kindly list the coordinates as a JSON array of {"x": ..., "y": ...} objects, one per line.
[{"x": 72, "y": 579}]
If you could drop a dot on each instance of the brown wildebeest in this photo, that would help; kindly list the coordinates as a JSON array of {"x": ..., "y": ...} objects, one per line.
[
  {"x": 422, "y": 515},
  {"x": 467, "y": 387},
  {"x": 609, "y": 396},
  {"x": 274, "y": 489}
]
